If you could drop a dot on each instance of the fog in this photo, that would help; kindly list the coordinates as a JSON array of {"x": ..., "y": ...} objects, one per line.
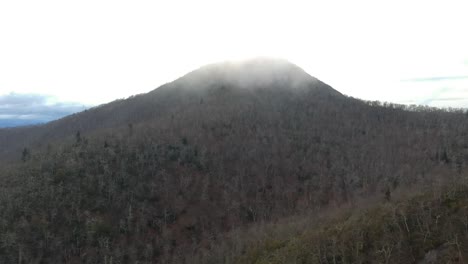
[{"x": 263, "y": 72}]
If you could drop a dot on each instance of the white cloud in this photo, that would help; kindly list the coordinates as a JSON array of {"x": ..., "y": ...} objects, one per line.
[{"x": 33, "y": 108}]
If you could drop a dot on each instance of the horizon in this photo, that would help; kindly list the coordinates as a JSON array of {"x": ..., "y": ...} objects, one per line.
[{"x": 53, "y": 59}]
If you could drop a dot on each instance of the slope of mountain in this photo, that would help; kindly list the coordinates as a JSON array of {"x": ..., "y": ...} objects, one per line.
[
  {"x": 427, "y": 228},
  {"x": 161, "y": 177}
]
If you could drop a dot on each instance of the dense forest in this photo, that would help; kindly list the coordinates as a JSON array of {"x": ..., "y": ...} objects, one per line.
[{"x": 193, "y": 171}]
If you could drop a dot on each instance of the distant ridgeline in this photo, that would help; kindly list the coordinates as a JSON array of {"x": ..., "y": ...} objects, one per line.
[
  {"x": 192, "y": 171},
  {"x": 20, "y": 122}
]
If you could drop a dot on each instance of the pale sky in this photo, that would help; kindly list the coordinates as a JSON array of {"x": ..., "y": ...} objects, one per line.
[{"x": 93, "y": 52}]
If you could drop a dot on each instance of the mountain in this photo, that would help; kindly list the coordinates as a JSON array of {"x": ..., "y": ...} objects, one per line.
[
  {"x": 168, "y": 176},
  {"x": 245, "y": 81}
]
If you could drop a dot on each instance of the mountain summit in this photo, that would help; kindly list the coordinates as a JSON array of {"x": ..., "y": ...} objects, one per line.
[{"x": 253, "y": 74}]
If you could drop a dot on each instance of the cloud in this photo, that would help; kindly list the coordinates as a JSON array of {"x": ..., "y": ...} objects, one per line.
[
  {"x": 451, "y": 99},
  {"x": 453, "y": 94},
  {"x": 436, "y": 79},
  {"x": 435, "y": 95},
  {"x": 25, "y": 109},
  {"x": 447, "y": 90}
]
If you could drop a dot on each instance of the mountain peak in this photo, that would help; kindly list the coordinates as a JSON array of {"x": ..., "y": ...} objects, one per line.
[{"x": 260, "y": 72}]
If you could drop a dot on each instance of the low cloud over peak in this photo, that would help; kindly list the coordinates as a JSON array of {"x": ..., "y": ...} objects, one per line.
[{"x": 27, "y": 109}]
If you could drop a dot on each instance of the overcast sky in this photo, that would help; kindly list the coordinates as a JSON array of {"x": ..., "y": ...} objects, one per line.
[{"x": 92, "y": 52}]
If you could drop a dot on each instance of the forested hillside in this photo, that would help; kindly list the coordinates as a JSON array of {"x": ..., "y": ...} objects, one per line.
[
  {"x": 428, "y": 226},
  {"x": 162, "y": 177}
]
